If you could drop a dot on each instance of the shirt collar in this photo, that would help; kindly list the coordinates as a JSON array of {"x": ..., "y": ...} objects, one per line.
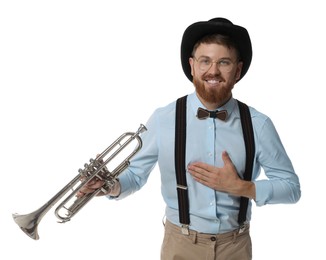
[{"x": 194, "y": 103}]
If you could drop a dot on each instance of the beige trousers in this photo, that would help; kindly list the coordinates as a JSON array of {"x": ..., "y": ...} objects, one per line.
[{"x": 199, "y": 246}]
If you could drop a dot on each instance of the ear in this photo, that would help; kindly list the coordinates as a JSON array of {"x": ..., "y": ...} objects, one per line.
[
  {"x": 191, "y": 63},
  {"x": 239, "y": 69}
]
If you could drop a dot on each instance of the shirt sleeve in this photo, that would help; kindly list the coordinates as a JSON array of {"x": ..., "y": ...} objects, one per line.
[
  {"x": 281, "y": 184},
  {"x": 141, "y": 165}
]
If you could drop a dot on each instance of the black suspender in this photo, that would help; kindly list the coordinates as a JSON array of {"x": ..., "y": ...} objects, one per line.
[
  {"x": 180, "y": 157},
  {"x": 248, "y": 135},
  {"x": 180, "y": 162}
]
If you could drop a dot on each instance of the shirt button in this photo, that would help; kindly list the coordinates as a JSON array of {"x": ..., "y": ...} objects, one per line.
[{"x": 213, "y": 239}]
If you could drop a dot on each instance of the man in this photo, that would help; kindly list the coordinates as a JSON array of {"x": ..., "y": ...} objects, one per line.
[{"x": 215, "y": 55}]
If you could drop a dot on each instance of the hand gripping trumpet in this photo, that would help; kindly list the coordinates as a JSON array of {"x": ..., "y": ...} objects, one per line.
[{"x": 96, "y": 169}]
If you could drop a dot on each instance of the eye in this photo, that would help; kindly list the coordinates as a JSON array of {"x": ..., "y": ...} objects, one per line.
[
  {"x": 205, "y": 61},
  {"x": 224, "y": 62}
]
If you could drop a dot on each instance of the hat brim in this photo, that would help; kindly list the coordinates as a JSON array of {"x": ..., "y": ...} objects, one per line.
[{"x": 198, "y": 30}]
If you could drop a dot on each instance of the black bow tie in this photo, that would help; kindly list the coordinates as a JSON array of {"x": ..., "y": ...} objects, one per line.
[{"x": 203, "y": 114}]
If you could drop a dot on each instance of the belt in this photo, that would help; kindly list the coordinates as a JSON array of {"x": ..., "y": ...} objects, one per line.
[{"x": 204, "y": 237}]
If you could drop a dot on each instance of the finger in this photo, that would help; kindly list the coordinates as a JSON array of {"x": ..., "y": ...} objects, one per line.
[
  {"x": 194, "y": 169},
  {"x": 198, "y": 173},
  {"x": 226, "y": 158},
  {"x": 80, "y": 194},
  {"x": 86, "y": 189},
  {"x": 94, "y": 184},
  {"x": 199, "y": 167}
]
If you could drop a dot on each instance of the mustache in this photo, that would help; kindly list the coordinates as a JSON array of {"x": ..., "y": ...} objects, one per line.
[{"x": 212, "y": 77}]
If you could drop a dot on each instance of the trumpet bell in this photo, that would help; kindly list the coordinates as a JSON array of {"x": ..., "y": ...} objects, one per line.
[{"x": 28, "y": 223}]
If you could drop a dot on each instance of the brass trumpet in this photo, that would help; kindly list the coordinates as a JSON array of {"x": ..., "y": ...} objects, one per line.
[{"x": 97, "y": 168}]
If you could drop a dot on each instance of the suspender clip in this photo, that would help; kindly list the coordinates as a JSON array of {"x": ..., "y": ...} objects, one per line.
[
  {"x": 185, "y": 229},
  {"x": 243, "y": 227}
]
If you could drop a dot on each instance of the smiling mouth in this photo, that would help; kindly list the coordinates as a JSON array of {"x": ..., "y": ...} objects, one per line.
[{"x": 213, "y": 81}]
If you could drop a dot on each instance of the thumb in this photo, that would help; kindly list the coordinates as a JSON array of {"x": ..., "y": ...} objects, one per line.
[{"x": 226, "y": 158}]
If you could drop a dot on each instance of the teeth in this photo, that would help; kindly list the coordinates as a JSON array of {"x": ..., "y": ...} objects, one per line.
[{"x": 212, "y": 81}]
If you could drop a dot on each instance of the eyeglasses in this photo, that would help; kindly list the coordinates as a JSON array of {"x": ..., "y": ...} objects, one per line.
[{"x": 205, "y": 63}]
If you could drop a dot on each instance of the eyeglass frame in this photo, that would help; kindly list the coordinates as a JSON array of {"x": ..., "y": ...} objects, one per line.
[{"x": 218, "y": 63}]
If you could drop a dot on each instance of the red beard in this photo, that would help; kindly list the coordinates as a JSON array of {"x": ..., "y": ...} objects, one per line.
[{"x": 219, "y": 95}]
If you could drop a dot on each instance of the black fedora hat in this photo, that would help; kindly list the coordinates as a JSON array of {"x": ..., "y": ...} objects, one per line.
[{"x": 216, "y": 25}]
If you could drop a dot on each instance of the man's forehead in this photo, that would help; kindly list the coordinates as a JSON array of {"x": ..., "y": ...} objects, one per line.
[{"x": 208, "y": 49}]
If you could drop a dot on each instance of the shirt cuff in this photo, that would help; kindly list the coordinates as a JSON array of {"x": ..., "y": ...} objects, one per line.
[
  {"x": 264, "y": 192},
  {"x": 123, "y": 193}
]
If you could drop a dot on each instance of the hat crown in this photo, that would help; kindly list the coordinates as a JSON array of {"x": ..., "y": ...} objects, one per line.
[{"x": 220, "y": 20}]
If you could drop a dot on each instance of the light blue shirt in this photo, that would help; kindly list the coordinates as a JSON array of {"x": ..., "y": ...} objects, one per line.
[{"x": 212, "y": 211}]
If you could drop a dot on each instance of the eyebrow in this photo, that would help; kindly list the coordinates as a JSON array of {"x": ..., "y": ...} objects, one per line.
[{"x": 223, "y": 58}]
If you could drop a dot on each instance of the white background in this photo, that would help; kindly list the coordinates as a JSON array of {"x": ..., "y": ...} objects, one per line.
[{"x": 77, "y": 74}]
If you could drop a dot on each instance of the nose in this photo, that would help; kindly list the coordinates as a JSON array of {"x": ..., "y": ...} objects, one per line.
[{"x": 214, "y": 68}]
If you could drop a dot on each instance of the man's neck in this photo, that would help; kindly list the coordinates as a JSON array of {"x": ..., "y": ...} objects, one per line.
[{"x": 215, "y": 105}]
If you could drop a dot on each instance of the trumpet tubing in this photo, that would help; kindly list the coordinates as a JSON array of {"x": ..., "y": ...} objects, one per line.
[{"x": 96, "y": 168}]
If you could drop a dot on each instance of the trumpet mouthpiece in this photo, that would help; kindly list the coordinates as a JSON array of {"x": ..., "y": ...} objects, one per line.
[{"x": 142, "y": 128}]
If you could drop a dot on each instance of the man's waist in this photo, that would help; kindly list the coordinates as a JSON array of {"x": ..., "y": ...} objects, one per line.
[
  {"x": 213, "y": 225},
  {"x": 207, "y": 236}
]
